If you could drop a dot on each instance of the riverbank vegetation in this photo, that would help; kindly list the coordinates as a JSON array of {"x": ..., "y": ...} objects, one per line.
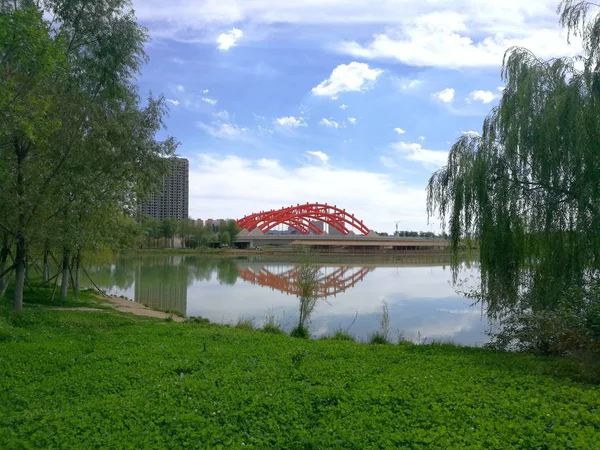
[
  {"x": 77, "y": 142},
  {"x": 528, "y": 189},
  {"x": 90, "y": 379}
]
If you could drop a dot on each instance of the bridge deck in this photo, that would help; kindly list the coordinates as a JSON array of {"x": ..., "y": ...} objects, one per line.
[{"x": 341, "y": 241}]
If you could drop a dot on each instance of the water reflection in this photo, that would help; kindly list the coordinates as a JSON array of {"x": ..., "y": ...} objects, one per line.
[
  {"x": 328, "y": 284},
  {"x": 418, "y": 291}
]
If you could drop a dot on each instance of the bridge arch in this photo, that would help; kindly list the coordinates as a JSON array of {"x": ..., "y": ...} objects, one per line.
[{"x": 300, "y": 218}]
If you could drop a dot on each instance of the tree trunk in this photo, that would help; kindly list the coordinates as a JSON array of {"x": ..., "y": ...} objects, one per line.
[
  {"x": 3, "y": 259},
  {"x": 19, "y": 273},
  {"x": 46, "y": 268},
  {"x": 64, "y": 286},
  {"x": 21, "y": 154},
  {"x": 76, "y": 265}
]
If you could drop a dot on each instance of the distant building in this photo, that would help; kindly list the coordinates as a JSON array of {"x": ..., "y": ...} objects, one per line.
[
  {"x": 334, "y": 231},
  {"x": 319, "y": 224},
  {"x": 171, "y": 202},
  {"x": 200, "y": 222}
]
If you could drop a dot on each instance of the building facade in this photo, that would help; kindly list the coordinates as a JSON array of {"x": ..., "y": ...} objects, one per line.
[{"x": 171, "y": 202}]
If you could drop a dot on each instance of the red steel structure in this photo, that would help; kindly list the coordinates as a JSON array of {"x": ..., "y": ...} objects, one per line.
[
  {"x": 329, "y": 285},
  {"x": 301, "y": 217}
]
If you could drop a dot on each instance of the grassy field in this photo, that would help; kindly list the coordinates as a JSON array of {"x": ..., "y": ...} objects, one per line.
[{"x": 72, "y": 379}]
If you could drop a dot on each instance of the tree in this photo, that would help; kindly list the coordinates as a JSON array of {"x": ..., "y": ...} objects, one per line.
[
  {"x": 168, "y": 228},
  {"x": 76, "y": 148},
  {"x": 528, "y": 187},
  {"x": 225, "y": 238}
]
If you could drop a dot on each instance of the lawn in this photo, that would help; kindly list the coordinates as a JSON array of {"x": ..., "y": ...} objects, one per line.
[{"x": 107, "y": 380}]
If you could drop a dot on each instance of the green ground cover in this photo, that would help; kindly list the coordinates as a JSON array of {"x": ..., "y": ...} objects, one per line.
[{"x": 107, "y": 380}]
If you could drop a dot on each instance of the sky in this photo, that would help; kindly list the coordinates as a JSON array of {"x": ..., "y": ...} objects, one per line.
[{"x": 353, "y": 103}]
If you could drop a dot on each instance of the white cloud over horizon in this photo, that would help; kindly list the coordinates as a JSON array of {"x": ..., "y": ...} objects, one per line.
[
  {"x": 317, "y": 155},
  {"x": 379, "y": 202},
  {"x": 432, "y": 159}
]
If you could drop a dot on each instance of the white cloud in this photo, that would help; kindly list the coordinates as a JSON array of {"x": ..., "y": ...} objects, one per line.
[
  {"x": 482, "y": 96},
  {"x": 352, "y": 120},
  {"x": 415, "y": 152},
  {"x": 344, "y": 106},
  {"x": 446, "y": 96},
  {"x": 454, "y": 40},
  {"x": 471, "y": 133},
  {"x": 179, "y": 88},
  {"x": 173, "y": 102},
  {"x": 329, "y": 123},
  {"x": 205, "y": 91},
  {"x": 229, "y": 39},
  {"x": 421, "y": 138},
  {"x": 223, "y": 127},
  {"x": 399, "y": 130},
  {"x": 318, "y": 155},
  {"x": 290, "y": 122},
  {"x": 210, "y": 101},
  {"x": 270, "y": 184},
  {"x": 353, "y": 77},
  {"x": 222, "y": 130},
  {"x": 406, "y": 84}
]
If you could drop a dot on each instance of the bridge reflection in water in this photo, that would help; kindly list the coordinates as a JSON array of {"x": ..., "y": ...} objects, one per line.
[{"x": 329, "y": 284}]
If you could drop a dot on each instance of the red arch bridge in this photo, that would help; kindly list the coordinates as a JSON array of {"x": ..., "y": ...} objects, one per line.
[{"x": 302, "y": 218}]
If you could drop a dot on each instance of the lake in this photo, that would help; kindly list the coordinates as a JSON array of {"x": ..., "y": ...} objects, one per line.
[{"x": 421, "y": 301}]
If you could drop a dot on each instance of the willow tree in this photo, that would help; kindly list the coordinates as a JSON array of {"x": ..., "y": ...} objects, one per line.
[{"x": 528, "y": 187}]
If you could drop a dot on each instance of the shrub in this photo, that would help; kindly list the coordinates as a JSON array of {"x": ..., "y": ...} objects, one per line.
[
  {"x": 271, "y": 326},
  {"x": 378, "y": 338},
  {"x": 341, "y": 335},
  {"x": 198, "y": 320},
  {"x": 300, "y": 332},
  {"x": 245, "y": 324}
]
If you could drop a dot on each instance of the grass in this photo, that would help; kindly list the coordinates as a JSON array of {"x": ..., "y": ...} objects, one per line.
[
  {"x": 378, "y": 338},
  {"x": 72, "y": 379},
  {"x": 300, "y": 332},
  {"x": 245, "y": 324},
  {"x": 271, "y": 325},
  {"x": 340, "y": 335}
]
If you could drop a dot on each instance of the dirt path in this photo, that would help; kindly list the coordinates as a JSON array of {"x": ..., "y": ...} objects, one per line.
[{"x": 129, "y": 306}]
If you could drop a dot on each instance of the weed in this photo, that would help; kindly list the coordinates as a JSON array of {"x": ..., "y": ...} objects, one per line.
[
  {"x": 245, "y": 324},
  {"x": 378, "y": 338},
  {"x": 198, "y": 320},
  {"x": 271, "y": 326},
  {"x": 298, "y": 357},
  {"x": 341, "y": 335},
  {"x": 402, "y": 340}
]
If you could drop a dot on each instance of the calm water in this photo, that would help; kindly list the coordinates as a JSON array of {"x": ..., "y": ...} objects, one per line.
[{"x": 421, "y": 301}]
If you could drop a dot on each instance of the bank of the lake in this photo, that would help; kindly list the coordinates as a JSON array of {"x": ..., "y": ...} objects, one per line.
[{"x": 80, "y": 379}]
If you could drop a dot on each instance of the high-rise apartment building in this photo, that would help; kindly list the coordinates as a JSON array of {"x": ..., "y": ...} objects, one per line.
[{"x": 171, "y": 202}]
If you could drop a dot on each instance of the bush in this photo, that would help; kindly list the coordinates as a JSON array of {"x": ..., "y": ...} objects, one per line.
[
  {"x": 271, "y": 326},
  {"x": 340, "y": 335},
  {"x": 378, "y": 338},
  {"x": 245, "y": 324},
  {"x": 570, "y": 328},
  {"x": 300, "y": 332}
]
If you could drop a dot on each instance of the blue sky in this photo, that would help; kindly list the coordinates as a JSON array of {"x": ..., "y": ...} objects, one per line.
[{"x": 347, "y": 102}]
